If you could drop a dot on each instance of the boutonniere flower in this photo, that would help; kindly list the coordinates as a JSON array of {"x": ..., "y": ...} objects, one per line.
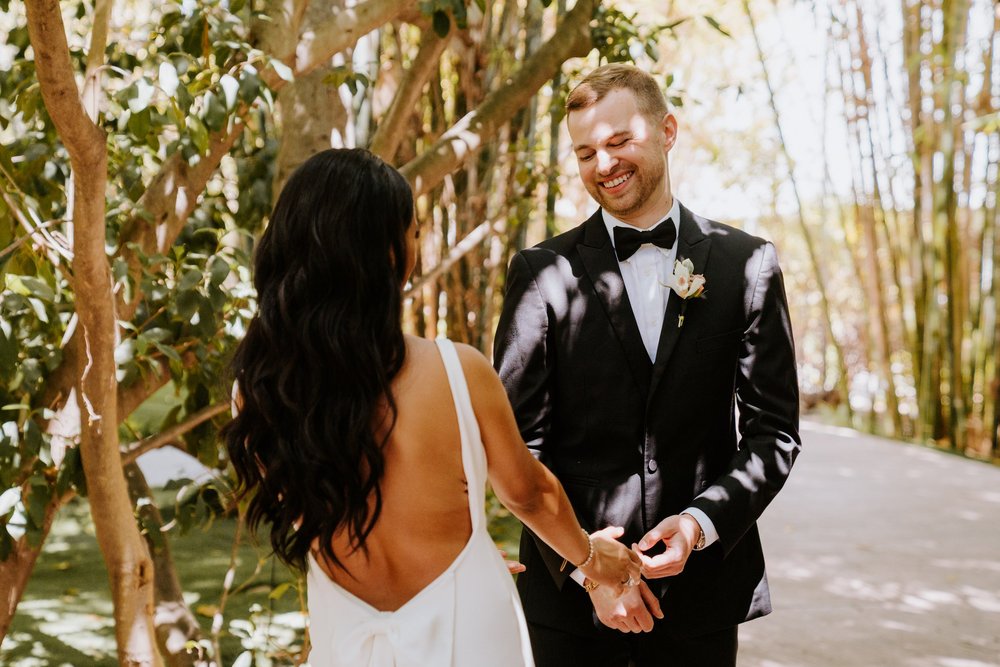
[{"x": 686, "y": 284}]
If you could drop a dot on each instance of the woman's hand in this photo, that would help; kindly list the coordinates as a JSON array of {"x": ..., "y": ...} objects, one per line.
[{"x": 613, "y": 565}]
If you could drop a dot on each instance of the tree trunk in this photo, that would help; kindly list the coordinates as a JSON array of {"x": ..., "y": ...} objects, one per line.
[
  {"x": 175, "y": 624},
  {"x": 128, "y": 561},
  {"x": 807, "y": 235}
]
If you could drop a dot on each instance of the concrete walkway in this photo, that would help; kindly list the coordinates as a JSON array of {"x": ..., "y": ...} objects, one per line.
[{"x": 880, "y": 554}]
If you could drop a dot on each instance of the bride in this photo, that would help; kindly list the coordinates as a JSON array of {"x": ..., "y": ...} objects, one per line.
[{"x": 365, "y": 451}]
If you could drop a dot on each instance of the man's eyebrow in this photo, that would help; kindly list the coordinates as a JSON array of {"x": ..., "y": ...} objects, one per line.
[{"x": 617, "y": 135}]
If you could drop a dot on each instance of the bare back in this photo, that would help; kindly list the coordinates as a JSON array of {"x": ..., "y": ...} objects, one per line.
[{"x": 425, "y": 520}]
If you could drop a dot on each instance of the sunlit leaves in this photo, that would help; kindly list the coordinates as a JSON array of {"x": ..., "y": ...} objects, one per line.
[
  {"x": 618, "y": 37},
  {"x": 344, "y": 75}
]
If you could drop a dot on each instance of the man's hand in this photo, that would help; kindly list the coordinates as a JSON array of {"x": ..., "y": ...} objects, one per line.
[
  {"x": 513, "y": 566},
  {"x": 632, "y": 611},
  {"x": 679, "y": 533}
]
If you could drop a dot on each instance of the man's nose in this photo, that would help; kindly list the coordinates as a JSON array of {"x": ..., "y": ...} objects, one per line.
[{"x": 605, "y": 162}]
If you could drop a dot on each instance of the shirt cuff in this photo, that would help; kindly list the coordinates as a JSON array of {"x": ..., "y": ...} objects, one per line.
[
  {"x": 707, "y": 527},
  {"x": 577, "y": 576}
]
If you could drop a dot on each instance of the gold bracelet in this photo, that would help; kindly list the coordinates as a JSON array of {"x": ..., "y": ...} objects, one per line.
[{"x": 590, "y": 554}]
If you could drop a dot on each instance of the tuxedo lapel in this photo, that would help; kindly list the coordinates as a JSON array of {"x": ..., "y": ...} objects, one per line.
[
  {"x": 692, "y": 244},
  {"x": 601, "y": 263}
]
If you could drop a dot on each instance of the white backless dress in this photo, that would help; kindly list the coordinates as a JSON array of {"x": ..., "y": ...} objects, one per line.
[{"x": 470, "y": 615}]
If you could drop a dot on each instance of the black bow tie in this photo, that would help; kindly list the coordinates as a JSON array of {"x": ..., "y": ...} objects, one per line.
[{"x": 628, "y": 240}]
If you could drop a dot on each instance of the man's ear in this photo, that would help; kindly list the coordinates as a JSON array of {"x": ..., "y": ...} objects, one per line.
[{"x": 669, "y": 128}]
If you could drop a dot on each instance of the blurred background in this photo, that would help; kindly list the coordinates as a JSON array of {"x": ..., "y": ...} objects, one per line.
[{"x": 860, "y": 136}]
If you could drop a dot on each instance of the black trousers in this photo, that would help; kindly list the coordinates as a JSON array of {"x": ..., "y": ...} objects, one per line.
[{"x": 611, "y": 648}]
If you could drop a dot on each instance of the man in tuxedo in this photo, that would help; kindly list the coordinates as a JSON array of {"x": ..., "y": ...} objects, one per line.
[{"x": 625, "y": 366}]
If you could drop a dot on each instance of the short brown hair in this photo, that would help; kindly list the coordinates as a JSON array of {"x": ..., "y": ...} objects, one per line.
[{"x": 606, "y": 78}]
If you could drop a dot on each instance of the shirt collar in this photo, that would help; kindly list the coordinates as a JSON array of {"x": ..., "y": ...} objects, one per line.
[{"x": 610, "y": 221}]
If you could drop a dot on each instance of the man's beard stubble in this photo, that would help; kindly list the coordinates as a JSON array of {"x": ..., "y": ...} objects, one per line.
[{"x": 649, "y": 181}]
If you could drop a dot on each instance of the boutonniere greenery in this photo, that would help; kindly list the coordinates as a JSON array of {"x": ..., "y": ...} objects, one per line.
[{"x": 686, "y": 284}]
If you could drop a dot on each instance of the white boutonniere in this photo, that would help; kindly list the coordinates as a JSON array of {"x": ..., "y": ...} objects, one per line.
[{"x": 686, "y": 284}]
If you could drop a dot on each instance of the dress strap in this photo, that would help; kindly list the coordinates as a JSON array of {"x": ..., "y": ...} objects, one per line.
[{"x": 473, "y": 454}]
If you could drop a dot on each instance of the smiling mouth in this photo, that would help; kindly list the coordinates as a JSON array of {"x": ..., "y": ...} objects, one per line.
[{"x": 615, "y": 182}]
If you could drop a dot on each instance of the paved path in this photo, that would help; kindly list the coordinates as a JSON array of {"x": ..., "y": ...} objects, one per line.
[{"x": 880, "y": 554}]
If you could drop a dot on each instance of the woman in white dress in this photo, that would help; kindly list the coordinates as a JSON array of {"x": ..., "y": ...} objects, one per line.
[{"x": 365, "y": 452}]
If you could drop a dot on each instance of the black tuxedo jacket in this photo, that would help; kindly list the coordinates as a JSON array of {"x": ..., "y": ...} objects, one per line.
[{"x": 634, "y": 442}]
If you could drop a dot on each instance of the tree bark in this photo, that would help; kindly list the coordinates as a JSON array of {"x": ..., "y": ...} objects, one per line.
[
  {"x": 175, "y": 624},
  {"x": 310, "y": 109},
  {"x": 392, "y": 129},
  {"x": 128, "y": 561}
]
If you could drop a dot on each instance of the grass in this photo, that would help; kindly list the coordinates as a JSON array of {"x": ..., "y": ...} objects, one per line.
[{"x": 65, "y": 616}]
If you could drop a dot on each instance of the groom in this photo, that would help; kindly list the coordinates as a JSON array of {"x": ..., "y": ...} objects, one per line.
[{"x": 625, "y": 344}]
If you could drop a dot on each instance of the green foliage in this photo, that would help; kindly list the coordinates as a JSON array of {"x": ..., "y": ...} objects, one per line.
[
  {"x": 194, "y": 78},
  {"x": 618, "y": 38},
  {"x": 442, "y": 12}
]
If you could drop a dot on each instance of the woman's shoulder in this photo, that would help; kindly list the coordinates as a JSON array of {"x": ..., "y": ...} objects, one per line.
[{"x": 477, "y": 368}]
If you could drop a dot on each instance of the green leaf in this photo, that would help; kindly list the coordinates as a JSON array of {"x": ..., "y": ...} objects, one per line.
[
  {"x": 249, "y": 84},
  {"x": 71, "y": 473},
  {"x": 190, "y": 279},
  {"x": 168, "y": 352},
  {"x": 279, "y": 590},
  {"x": 218, "y": 270},
  {"x": 198, "y": 133},
  {"x": 168, "y": 78},
  {"x": 140, "y": 96},
  {"x": 139, "y": 124},
  {"x": 442, "y": 24},
  {"x": 715, "y": 24},
  {"x": 187, "y": 304},
  {"x": 230, "y": 91},
  {"x": 39, "y": 308},
  {"x": 236, "y": 5},
  {"x": 29, "y": 286},
  {"x": 38, "y": 498},
  {"x": 213, "y": 112},
  {"x": 283, "y": 70}
]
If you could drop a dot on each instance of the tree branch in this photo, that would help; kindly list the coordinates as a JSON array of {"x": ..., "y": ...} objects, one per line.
[
  {"x": 173, "y": 193},
  {"x": 571, "y": 39},
  {"x": 173, "y": 433},
  {"x": 316, "y": 47},
  {"x": 83, "y": 139},
  {"x": 392, "y": 128},
  {"x": 461, "y": 249}
]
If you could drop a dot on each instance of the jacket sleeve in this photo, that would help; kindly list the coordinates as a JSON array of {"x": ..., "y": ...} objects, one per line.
[
  {"x": 522, "y": 355},
  {"x": 767, "y": 398}
]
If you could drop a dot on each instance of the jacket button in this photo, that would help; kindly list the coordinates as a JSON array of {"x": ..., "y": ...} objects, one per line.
[{"x": 651, "y": 466}]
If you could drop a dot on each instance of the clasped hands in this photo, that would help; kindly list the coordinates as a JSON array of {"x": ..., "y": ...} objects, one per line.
[{"x": 632, "y": 609}]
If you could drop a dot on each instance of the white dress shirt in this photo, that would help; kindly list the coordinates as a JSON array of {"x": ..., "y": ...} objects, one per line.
[{"x": 645, "y": 276}]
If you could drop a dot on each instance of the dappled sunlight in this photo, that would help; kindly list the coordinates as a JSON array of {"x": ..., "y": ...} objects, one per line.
[
  {"x": 990, "y": 496},
  {"x": 983, "y": 600},
  {"x": 967, "y": 564},
  {"x": 858, "y": 589},
  {"x": 63, "y": 633},
  {"x": 898, "y": 626}
]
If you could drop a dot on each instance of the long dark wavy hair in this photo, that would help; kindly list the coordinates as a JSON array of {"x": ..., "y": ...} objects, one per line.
[{"x": 315, "y": 367}]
